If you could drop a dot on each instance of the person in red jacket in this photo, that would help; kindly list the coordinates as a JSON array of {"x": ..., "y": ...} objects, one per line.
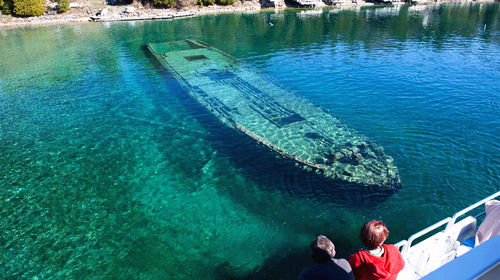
[{"x": 377, "y": 260}]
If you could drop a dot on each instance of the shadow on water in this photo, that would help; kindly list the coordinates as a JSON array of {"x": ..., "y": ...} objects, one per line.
[
  {"x": 270, "y": 170},
  {"x": 285, "y": 264},
  {"x": 278, "y": 266}
]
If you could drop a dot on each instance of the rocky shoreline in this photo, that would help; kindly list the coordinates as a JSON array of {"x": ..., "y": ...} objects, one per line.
[
  {"x": 83, "y": 13},
  {"x": 117, "y": 13}
]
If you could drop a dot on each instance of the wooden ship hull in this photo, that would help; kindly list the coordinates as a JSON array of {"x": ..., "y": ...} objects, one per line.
[{"x": 254, "y": 104}]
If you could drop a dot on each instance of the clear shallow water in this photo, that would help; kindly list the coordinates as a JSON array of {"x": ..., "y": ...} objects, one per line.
[{"x": 109, "y": 170}]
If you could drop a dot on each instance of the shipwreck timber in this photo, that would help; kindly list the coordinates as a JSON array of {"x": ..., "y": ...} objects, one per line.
[{"x": 256, "y": 105}]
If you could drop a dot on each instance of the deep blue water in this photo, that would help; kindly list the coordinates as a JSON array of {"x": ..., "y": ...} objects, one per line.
[{"x": 108, "y": 169}]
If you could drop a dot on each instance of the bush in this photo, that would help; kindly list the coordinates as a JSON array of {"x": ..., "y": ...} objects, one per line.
[
  {"x": 28, "y": 8},
  {"x": 7, "y": 7},
  {"x": 163, "y": 3},
  {"x": 205, "y": 2},
  {"x": 225, "y": 2},
  {"x": 62, "y": 6}
]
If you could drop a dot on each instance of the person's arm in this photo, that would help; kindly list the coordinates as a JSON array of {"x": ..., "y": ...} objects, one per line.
[
  {"x": 349, "y": 271},
  {"x": 397, "y": 259},
  {"x": 344, "y": 264},
  {"x": 354, "y": 263}
]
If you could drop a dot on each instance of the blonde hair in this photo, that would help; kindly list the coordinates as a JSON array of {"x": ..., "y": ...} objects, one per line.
[{"x": 322, "y": 249}]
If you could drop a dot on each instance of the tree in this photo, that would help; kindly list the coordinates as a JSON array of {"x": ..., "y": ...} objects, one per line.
[
  {"x": 62, "y": 6},
  {"x": 7, "y": 7},
  {"x": 163, "y": 3},
  {"x": 225, "y": 2},
  {"x": 28, "y": 8},
  {"x": 205, "y": 2}
]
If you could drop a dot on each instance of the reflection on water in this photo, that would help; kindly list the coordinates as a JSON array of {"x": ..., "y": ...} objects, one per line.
[
  {"x": 389, "y": 11},
  {"x": 109, "y": 169},
  {"x": 310, "y": 13}
]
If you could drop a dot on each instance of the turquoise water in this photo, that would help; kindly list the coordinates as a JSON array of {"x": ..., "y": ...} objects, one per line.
[{"x": 109, "y": 170}]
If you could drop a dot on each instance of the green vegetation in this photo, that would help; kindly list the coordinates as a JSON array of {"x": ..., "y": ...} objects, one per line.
[
  {"x": 28, "y": 8},
  {"x": 205, "y": 2},
  {"x": 225, "y": 2},
  {"x": 164, "y": 3},
  {"x": 7, "y": 7},
  {"x": 62, "y": 6}
]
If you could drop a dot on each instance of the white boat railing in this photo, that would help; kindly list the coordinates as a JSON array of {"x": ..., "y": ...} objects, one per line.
[
  {"x": 423, "y": 232},
  {"x": 405, "y": 245},
  {"x": 473, "y": 206}
]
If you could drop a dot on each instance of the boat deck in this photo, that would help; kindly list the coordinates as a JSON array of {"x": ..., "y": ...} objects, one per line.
[{"x": 448, "y": 254}]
